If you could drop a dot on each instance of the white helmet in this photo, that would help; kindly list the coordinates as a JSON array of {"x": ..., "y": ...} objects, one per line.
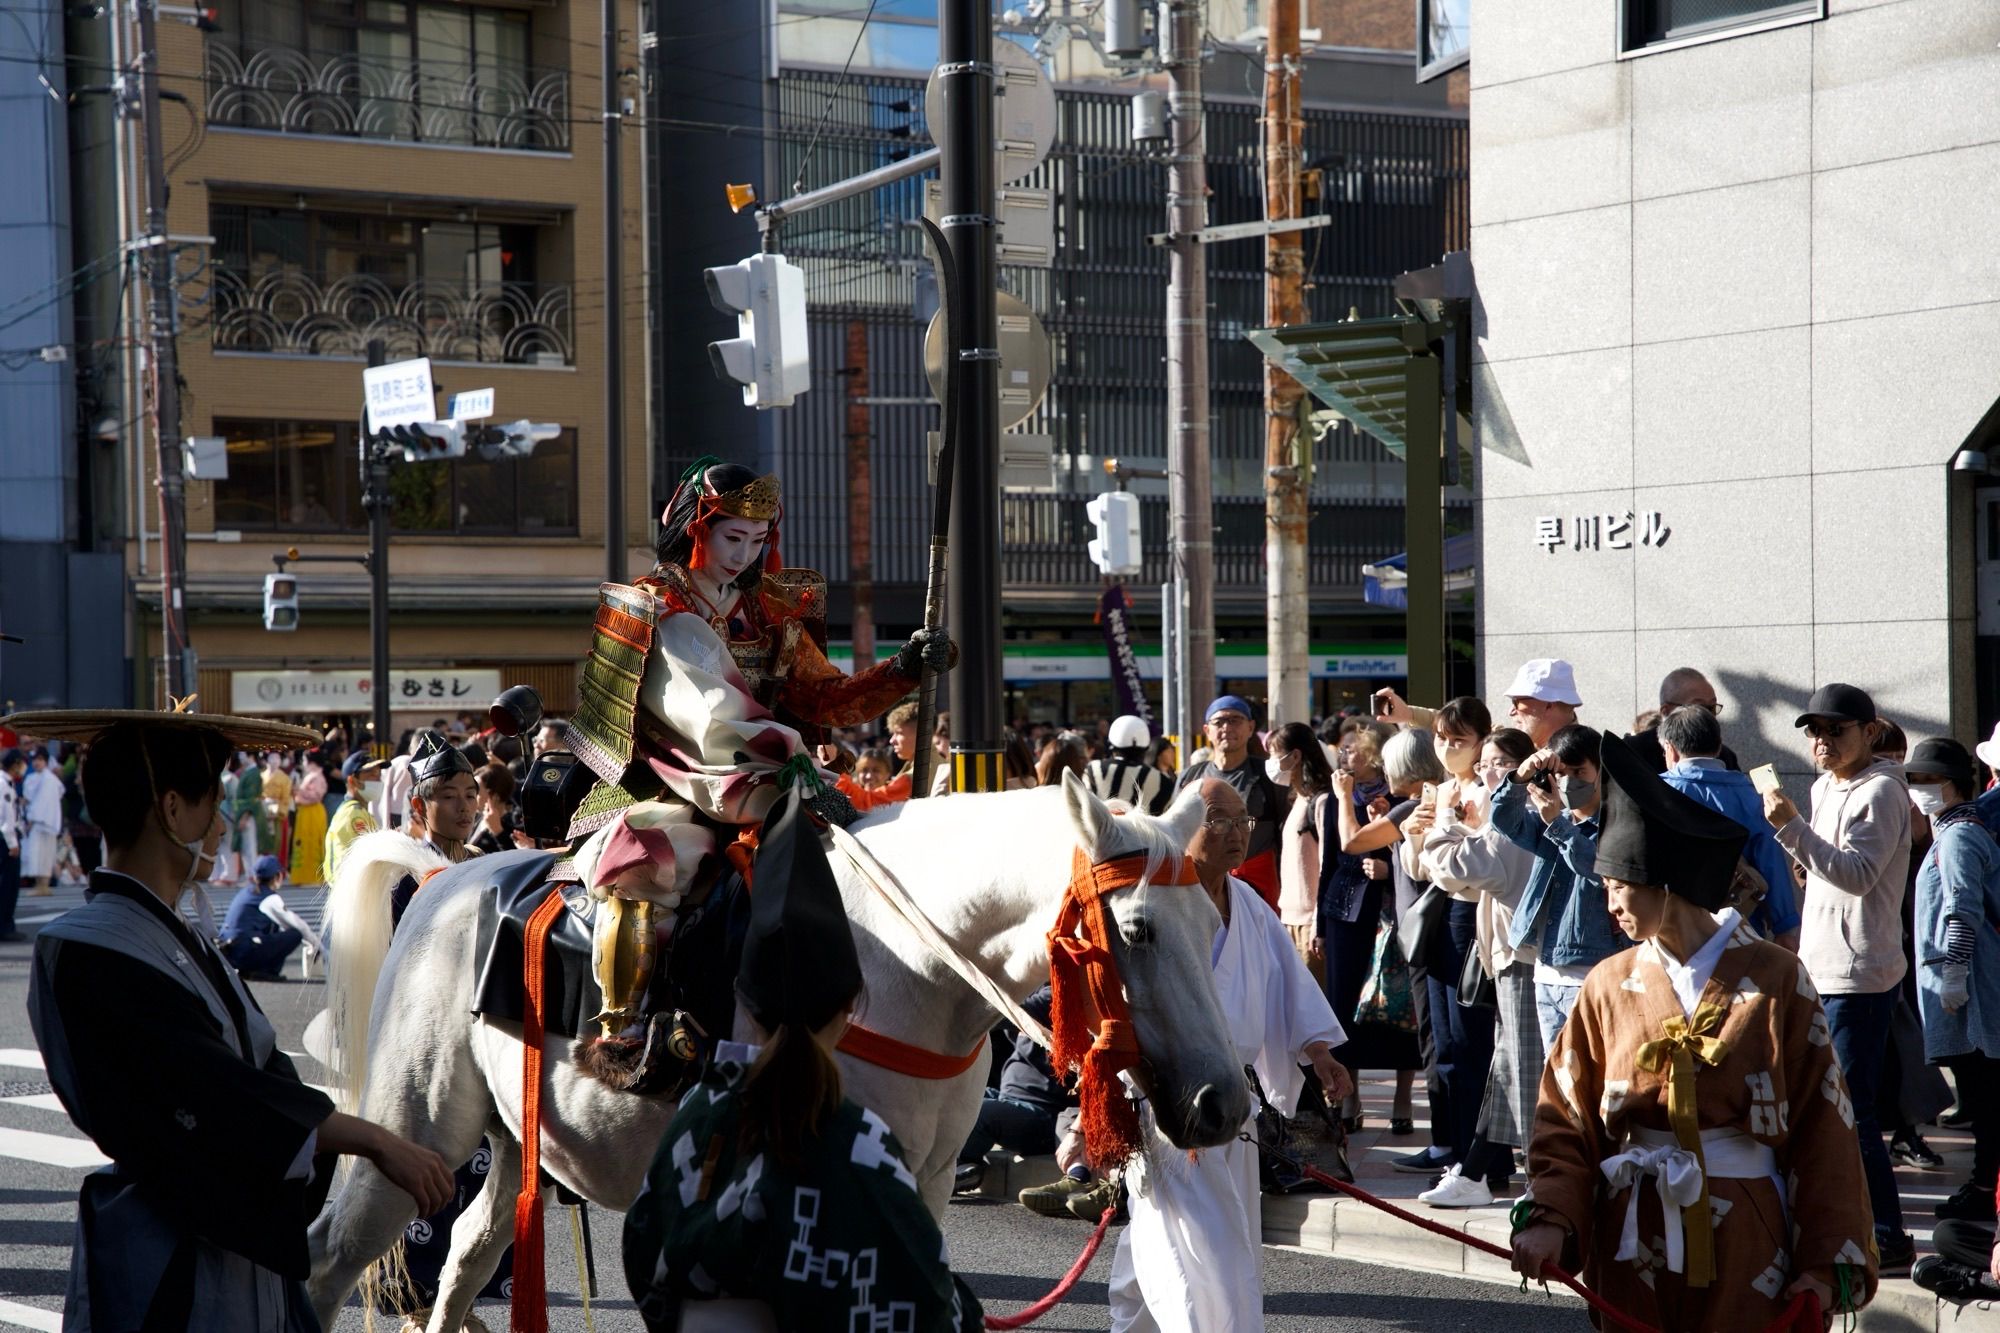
[{"x": 1130, "y": 733}]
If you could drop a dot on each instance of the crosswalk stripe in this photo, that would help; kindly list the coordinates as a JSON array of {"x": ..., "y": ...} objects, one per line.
[
  {"x": 14, "y": 1055},
  {"x": 49, "y": 1149},
  {"x": 41, "y": 1101},
  {"x": 16, "y": 1315}
]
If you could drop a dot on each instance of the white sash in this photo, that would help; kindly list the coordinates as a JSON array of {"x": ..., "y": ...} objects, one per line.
[{"x": 1730, "y": 1154}]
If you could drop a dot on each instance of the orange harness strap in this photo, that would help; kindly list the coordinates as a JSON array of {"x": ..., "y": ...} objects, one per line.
[
  {"x": 1090, "y": 1022},
  {"x": 531, "y": 1298},
  {"x": 899, "y": 1057}
]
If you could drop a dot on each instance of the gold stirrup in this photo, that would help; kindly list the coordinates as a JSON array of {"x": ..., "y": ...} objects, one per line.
[{"x": 621, "y": 957}]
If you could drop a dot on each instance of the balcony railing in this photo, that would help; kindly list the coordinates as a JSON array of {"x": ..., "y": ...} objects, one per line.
[
  {"x": 290, "y": 312},
  {"x": 289, "y": 91}
]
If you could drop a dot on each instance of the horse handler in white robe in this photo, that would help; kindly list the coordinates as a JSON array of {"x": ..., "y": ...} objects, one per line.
[{"x": 1191, "y": 1260}]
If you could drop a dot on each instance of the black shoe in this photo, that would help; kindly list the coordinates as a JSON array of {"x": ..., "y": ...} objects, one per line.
[
  {"x": 1955, "y": 1282},
  {"x": 1911, "y": 1150},
  {"x": 970, "y": 1176},
  {"x": 1969, "y": 1203},
  {"x": 1353, "y": 1123},
  {"x": 1956, "y": 1118},
  {"x": 1897, "y": 1248},
  {"x": 1401, "y": 1125},
  {"x": 1421, "y": 1163}
]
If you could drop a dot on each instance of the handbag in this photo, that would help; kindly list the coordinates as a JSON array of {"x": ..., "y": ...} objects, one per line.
[
  {"x": 1476, "y": 988},
  {"x": 1385, "y": 996},
  {"x": 1423, "y": 927}
]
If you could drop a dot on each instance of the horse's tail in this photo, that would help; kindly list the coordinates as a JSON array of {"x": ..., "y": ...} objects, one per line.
[{"x": 358, "y": 924}]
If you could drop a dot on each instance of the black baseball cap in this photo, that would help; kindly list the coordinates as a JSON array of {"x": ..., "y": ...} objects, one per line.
[
  {"x": 1941, "y": 754},
  {"x": 1842, "y": 703}
]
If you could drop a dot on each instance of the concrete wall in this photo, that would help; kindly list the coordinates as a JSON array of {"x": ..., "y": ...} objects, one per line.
[{"x": 1749, "y": 285}]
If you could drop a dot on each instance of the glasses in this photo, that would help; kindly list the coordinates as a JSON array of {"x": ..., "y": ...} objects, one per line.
[
  {"x": 1822, "y": 731},
  {"x": 1715, "y": 707},
  {"x": 1229, "y": 720},
  {"x": 1241, "y": 824}
]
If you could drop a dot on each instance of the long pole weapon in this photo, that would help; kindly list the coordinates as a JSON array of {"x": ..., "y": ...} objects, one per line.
[{"x": 934, "y": 583}]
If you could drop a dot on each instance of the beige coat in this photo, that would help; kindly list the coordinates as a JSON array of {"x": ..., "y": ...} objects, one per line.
[{"x": 1856, "y": 851}]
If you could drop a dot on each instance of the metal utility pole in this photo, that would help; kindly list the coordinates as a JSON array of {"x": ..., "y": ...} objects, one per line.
[
  {"x": 614, "y": 306},
  {"x": 967, "y": 80},
  {"x": 1189, "y": 492},
  {"x": 375, "y": 500},
  {"x": 1287, "y": 449},
  {"x": 860, "y": 499},
  {"x": 166, "y": 388}
]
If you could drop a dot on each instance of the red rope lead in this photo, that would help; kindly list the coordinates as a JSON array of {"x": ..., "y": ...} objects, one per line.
[
  {"x": 530, "y": 1311},
  {"x": 1802, "y": 1315},
  {"x": 1023, "y": 1318}
]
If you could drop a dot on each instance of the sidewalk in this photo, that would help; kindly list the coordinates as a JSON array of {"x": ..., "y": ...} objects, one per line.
[{"x": 1349, "y": 1229}]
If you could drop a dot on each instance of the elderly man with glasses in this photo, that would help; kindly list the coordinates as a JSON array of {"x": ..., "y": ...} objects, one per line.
[
  {"x": 1683, "y": 687},
  {"x": 1856, "y": 854}
]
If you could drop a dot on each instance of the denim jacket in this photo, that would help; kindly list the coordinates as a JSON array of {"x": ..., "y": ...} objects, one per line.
[
  {"x": 1960, "y": 876},
  {"x": 1574, "y": 923}
]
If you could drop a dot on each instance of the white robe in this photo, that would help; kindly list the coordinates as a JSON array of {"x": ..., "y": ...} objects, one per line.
[
  {"x": 41, "y": 794},
  {"x": 1191, "y": 1259}
]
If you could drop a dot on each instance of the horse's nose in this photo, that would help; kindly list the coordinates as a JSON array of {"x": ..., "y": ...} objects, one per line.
[{"x": 1214, "y": 1115}]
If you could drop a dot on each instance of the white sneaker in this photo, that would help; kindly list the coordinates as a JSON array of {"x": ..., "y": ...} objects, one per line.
[{"x": 1457, "y": 1191}]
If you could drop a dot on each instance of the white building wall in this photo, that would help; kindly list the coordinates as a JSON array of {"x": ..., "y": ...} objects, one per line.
[{"x": 1752, "y": 286}]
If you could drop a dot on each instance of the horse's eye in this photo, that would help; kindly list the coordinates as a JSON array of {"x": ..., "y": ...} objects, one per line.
[{"x": 1138, "y": 931}]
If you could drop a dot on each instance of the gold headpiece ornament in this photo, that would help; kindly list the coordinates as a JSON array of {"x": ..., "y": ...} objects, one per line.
[{"x": 756, "y": 501}]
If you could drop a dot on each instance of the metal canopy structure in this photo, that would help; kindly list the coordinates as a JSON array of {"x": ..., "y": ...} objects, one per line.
[{"x": 1358, "y": 367}]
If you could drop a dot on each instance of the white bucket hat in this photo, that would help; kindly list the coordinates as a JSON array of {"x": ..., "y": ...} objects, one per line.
[
  {"x": 1549, "y": 679},
  {"x": 1988, "y": 750}
]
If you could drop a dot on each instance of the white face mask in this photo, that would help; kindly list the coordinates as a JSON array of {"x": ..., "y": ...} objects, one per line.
[
  {"x": 1928, "y": 797},
  {"x": 1274, "y": 769}
]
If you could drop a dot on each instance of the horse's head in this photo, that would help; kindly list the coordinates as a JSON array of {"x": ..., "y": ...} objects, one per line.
[{"x": 1163, "y": 941}]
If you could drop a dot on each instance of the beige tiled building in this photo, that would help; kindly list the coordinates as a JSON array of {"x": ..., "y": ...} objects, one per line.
[{"x": 428, "y": 173}]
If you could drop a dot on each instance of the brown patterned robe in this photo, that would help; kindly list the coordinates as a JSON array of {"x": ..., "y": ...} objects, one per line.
[{"x": 1774, "y": 1078}]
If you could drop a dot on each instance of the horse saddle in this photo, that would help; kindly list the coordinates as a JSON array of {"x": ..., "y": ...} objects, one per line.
[{"x": 700, "y": 950}]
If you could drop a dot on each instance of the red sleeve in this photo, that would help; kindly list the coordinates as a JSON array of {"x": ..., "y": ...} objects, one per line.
[
  {"x": 864, "y": 800},
  {"x": 817, "y": 691}
]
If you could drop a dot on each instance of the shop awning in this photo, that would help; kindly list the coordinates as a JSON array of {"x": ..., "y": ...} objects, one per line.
[{"x": 1386, "y": 582}]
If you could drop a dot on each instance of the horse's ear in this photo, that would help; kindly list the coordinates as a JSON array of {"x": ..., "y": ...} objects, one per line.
[{"x": 1090, "y": 817}]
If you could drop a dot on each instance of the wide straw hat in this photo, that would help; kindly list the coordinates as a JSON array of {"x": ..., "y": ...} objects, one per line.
[{"x": 87, "y": 724}]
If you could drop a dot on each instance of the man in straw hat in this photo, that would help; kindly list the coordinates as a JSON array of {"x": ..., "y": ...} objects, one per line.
[
  {"x": 1694, "y": 1151},
  {"x": 220, "y": 1154}
]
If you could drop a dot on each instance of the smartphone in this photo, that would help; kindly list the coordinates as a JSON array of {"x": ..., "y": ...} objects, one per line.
[
  {"x": 1430, "y": 793},
  {"x": 1764, "y": 778}
]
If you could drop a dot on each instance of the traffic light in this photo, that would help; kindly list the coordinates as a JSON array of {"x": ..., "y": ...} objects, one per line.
[
  {"x": 768, "y": 356},
  {"x": 281, "y": 602},
  {"x": 517, "y": 439},
  {"x": 1115, "y": 549},
  {"x": 429, "y": 441}
]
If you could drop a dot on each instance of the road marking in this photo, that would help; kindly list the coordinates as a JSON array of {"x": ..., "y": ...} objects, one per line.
[
  {"x": 40, "y": 919},
  {"x": 49, "y": 1149},
  {"x": 12, "y": 1055},
  {"x": 41, "y": 1101},
  {"x": 16, "y": 1315}
]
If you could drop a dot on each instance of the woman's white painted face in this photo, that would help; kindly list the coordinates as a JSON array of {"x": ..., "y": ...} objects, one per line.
[{"x": 734, "y": 545}]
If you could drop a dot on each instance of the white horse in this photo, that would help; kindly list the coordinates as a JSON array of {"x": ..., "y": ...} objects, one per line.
[{"x": 990, "y": 871}]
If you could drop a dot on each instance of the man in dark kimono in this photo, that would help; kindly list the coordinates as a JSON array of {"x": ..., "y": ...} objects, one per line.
[
  {"x": 775, "y": 1203},
  {"x": 220, "y": 1154}
]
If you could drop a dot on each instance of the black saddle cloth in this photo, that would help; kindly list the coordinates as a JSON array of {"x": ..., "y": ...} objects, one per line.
[{"x": 698, "y": 967}]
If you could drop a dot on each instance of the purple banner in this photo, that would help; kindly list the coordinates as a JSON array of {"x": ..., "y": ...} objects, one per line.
[{"x": 1114, "y": 612}]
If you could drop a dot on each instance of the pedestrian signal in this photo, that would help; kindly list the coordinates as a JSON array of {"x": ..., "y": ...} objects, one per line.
[
  {"x": 1115, "y": 549},
  {"x": 281, "y": 602},
  {"x": 768, "y": 356}
]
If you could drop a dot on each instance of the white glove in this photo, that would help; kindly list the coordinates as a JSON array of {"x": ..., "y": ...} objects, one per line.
[{"x": 1957, "y": 989}]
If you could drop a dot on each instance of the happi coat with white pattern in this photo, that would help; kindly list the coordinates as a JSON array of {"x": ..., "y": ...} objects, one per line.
[
  {"x": 1767, "y": 1071},
  {"x": 840, "y": 1241},
  {"x": 1191, "y": 1259}
]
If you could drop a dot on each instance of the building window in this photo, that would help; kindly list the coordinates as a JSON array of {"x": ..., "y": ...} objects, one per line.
[
  {"x": 1444, "y": 36},
  {"x": 1651, "y": 25},
  {"x": 303, "y": 477},
  {"x": 385, "y": 69},
  {"x": 310, "y": 282}
]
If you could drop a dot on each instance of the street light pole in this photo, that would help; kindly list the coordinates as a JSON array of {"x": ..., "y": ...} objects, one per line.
[
  {"x": 375, "y": 500},
  {"x": 1190, "y": 494},
  {"x": 614, "y": 306},
  {"x": 966, "y": 78}
]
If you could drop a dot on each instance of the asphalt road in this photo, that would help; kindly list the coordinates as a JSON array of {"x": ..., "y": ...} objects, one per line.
[{"x": 1007, "y": 1254}]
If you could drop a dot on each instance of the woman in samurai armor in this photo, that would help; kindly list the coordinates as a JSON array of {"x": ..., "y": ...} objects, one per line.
[
  {"x": 1694, "y": 1141},
  {"x": 774, "y": 1202},
  {"x": 707, "y": 678}
]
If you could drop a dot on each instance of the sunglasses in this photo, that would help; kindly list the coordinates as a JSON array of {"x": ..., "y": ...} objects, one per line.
[{"x": 1826, "y": 731}]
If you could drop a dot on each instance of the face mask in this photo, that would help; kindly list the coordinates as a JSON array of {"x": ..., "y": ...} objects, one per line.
[
  {"x": 1928, "y": 797},
  {"x": 1577, "y": 793},
  {"x": 1274, "y": 769}
]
